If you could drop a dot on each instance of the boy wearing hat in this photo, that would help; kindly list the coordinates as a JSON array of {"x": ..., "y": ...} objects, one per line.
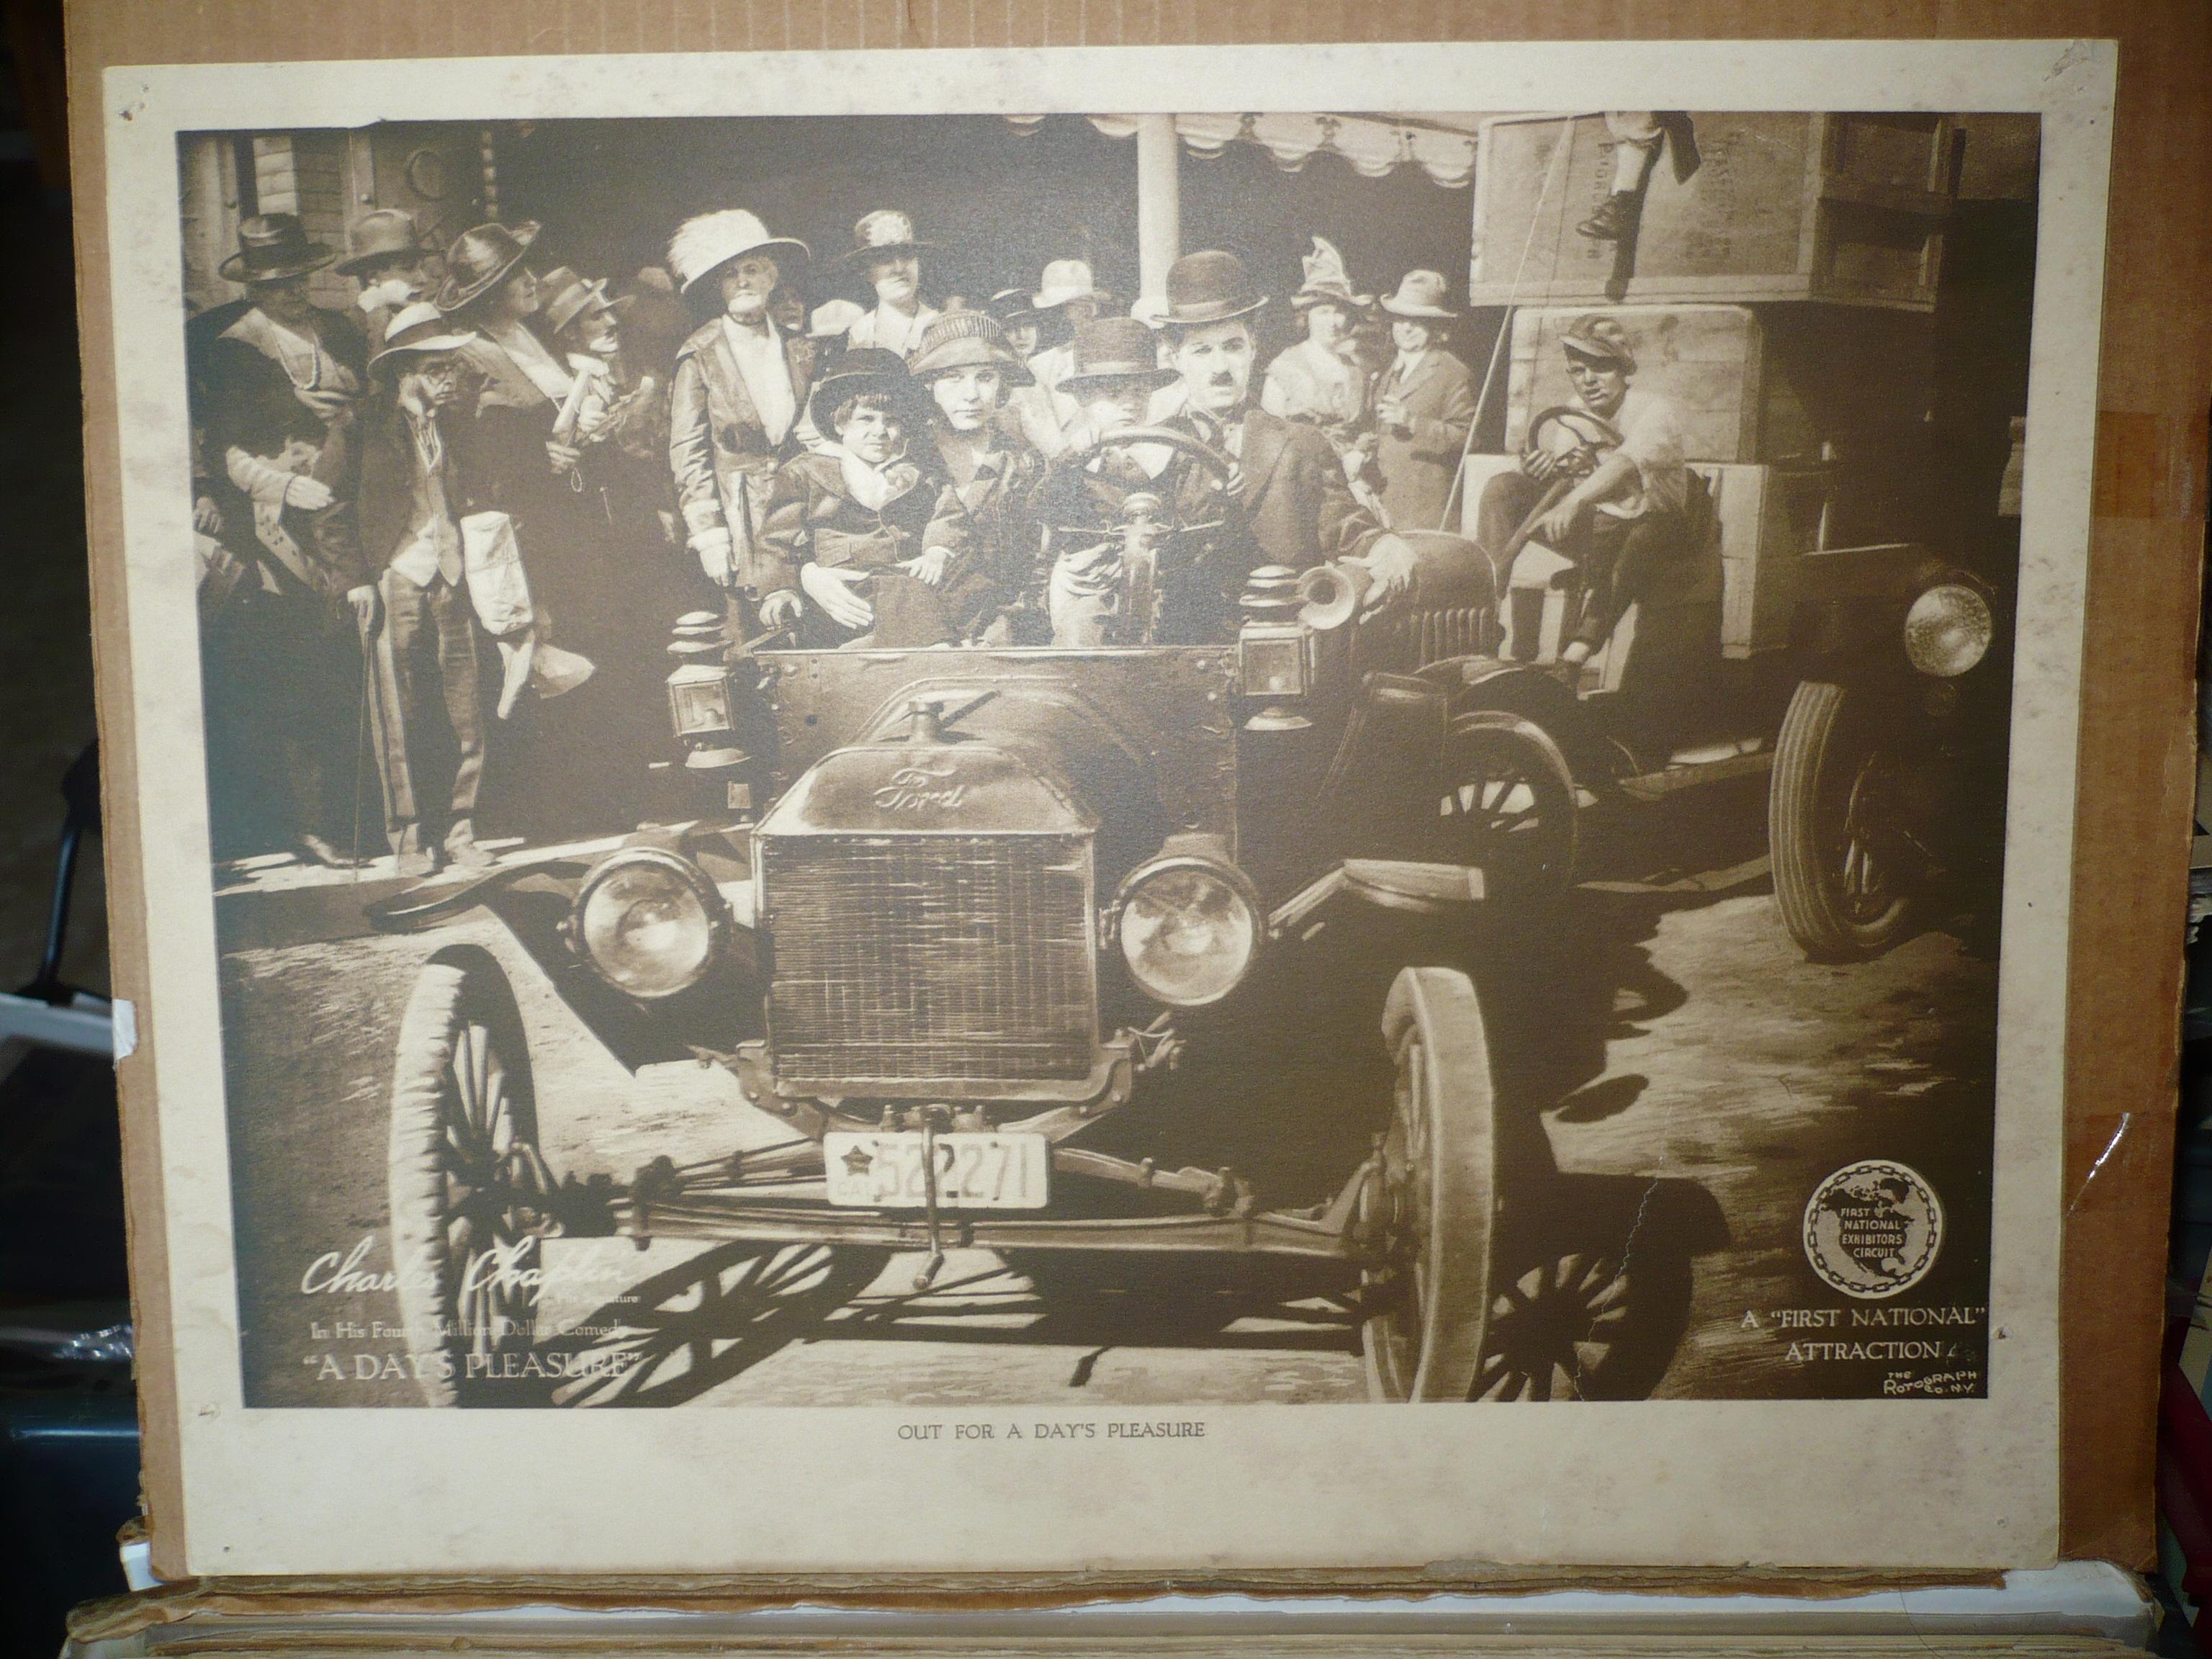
[
  {"x": 410, "y": 547},
  {"x": 875, "y": 538},
  {"x": 739, "y": 391},
  {"x": 1087, "y": 504},
  {"x": 886, "y": 252},
  {"x": 971, "y": 375},
  {"x": 1624, "y": 523},
  {"x": 1296, "y": 508},
  {"x": 1423, "y": 405}
]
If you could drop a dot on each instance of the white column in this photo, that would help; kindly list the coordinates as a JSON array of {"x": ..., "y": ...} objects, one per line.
[{"x": 1159, "y": 204}]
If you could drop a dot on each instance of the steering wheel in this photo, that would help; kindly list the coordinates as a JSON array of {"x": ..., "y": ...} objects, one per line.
[
  {"x": 1221, "y": 465},
  {"x": 1588, "y": 435}
]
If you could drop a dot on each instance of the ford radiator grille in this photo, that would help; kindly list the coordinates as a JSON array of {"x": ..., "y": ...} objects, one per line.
[{"x": 953, "y": 959}]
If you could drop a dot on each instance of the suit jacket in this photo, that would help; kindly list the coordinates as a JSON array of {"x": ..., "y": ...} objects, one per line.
[
  {"x": 1297, "y": 509},
  {"x": 386, "y": 499},
  {"x": 1418, "y": 466},
  {"x": 720, "y": 453}
]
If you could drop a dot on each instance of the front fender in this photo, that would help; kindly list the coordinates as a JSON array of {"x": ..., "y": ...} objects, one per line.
[
  {"x": 533, "y": 902},
  {"x": 1472, "y": 684}
]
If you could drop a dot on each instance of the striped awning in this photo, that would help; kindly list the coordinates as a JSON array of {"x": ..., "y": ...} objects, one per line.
[{"x": 1442, "y": 146}]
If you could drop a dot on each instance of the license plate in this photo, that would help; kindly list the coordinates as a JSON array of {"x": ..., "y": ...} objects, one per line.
[{"x": 975, "y": 1171}]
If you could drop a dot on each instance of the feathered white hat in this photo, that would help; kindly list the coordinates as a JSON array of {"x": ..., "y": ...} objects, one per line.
[
  {"x": 703, "y": 245},
  {"x": 1326, "y": 279}
]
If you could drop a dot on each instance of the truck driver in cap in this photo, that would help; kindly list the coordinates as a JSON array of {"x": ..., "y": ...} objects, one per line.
[{"x": 1624, "y": 522}]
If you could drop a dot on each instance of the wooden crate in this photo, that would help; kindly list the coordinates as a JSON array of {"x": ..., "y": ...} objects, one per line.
[
  {"x": 1708, "y": 361},
  {"x": 1849, "y": 207}
]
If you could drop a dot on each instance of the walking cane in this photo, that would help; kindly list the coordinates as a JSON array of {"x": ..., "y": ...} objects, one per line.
[{"x": 361, "y": 739}]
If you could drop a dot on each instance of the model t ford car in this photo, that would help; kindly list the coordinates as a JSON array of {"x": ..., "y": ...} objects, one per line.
[{"x": 960, "y": 920}]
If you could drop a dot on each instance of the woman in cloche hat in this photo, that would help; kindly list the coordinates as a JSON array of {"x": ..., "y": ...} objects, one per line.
[
  {"x": 886, "y": 252},
  {"x": 970, "y": 370},
  {"x": 1423, "y": 405},
  {"x": 739, "y": 389},
  {"x": 868, "y": 530}
]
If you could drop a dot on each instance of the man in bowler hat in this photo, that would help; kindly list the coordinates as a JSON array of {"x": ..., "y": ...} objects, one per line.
[{"x": 1295, "y": 507}]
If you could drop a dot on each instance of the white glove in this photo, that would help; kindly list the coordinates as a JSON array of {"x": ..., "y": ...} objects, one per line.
[
  {"x": 831, "y": 588},
  {"x": 781, "y": 609},
  {"x": 715, "y": 548},
  {"x": 309, "y": 495},
  {"x": 272, "y": 486},
  {"x": 1389, "y": 561}
]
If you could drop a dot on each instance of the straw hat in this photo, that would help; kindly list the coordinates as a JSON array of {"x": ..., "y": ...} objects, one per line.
[{"x": 418, "y": 328}]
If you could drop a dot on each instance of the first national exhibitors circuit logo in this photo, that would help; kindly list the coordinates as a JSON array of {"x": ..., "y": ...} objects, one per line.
[{"x": 1873, "y": 1228}]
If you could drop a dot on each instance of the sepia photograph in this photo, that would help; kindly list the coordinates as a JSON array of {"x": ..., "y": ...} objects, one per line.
[
  {"x": 1090, "y": 769},
  {"x": 967, "y": 758}
]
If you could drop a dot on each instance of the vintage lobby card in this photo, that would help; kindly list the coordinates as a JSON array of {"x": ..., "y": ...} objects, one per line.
[{"x": 1124, "y": 809}]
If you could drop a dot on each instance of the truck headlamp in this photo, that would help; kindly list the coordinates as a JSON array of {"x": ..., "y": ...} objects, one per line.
[
  {"x": 1188, "y": 929},
  {"x": 649, "y": 923},
  {"x": 1948, "y": 630}
]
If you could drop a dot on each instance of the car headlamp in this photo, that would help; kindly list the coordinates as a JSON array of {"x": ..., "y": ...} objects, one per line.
[
  {"x": 1188, "y": 928},
  {"x": 649, "y": 923},
  {"x": 1947, "y": 630}
]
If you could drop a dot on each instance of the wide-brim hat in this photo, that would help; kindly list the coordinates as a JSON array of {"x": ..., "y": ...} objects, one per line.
[
  {"x": 480, "y": 258},
  {"x": 1420, "y": 295},
  {"x": 417, "y": 329},
  {"x": 572, "y": 295},
  {"x": 1116, "y": 349},
  {"x": 1209, "y": 287},
  {"x": 968, "y": 339},
  {"x": 272, "y": 246},
  {"x": 704, "y": 244},
  {"x": 859, "y": 370},
  {"x": 386, "y": 234},
  {"x": 886, "y": 234}
]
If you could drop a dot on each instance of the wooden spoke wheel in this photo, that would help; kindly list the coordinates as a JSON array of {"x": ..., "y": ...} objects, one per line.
[
  {"x": 1431, "y": 1201},
  {"x": 467, "y": 1181},
  {"x": 1553, "y": 1330},
  {"x": 1842, "y": 874},
  {"x": 1508, "y": 805}
]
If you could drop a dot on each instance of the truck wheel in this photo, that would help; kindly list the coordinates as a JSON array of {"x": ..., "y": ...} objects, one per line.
[
  {"x": 1432, "y": 1203},
  {"x": 465, "y": 1179},
  {"x": 1840, "y": 875},
  {"x": 1508, "y": 805}
]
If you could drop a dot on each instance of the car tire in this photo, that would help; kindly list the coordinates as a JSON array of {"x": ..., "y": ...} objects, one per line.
[
  {"x": 465, "y": 1179},
  {"x": 1431, "y": 1203},
  {"x": 1508, "y": 806},
  {"x": 1841, "y": 890}
]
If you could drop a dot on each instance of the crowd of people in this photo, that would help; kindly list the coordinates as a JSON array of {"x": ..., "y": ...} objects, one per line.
[{"x": 442, "y": 536}]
